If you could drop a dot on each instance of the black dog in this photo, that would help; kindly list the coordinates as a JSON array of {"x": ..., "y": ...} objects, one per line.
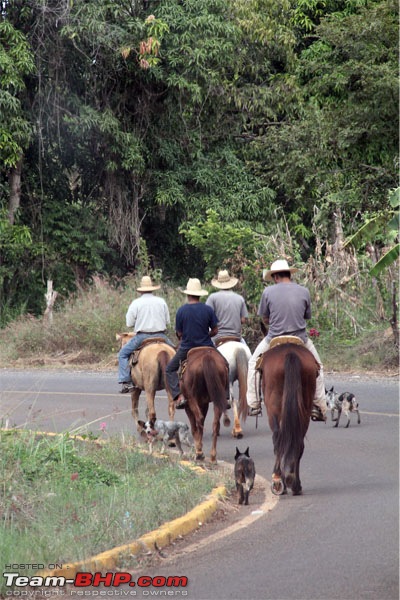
[{"x": 245, "y": 473}]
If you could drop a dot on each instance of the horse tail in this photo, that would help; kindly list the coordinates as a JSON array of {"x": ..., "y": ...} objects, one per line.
[
  {"x": 214, "y": 382},
  {"x": 291, "y": 433},
  {"x": 242, "y": 365}
]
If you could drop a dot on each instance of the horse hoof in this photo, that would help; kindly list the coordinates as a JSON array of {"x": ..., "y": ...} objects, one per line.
[
  {"x": 226, "y": 421},
  {"x": 277, "y": 487},
  {"x": 200, "y": 456},
  {"x": 237, "y": 434}
]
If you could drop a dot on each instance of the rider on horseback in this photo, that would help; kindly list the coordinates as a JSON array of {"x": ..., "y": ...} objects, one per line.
[
  {"x": 285, "y": 307},
  {"x": 196, "y": 323},
  {"x": 149, "y": 316},
  {"x": 230, "y": 308}
]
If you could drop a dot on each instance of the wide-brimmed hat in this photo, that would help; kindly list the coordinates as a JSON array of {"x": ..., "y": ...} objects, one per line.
[
  {"x": 224, "y": 281},
  {"x": 193, "y": 288},
  {"x": 277, "y": 267},
  {"x": 146, "y": 285}
]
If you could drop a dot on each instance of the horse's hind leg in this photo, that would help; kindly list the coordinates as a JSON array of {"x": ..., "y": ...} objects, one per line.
[
  {"x": 297, "y": 490},
  {"x": 215, "y": 434},
  {"x": 197, "y": 428},
  {"x": 237, "y": 430}
]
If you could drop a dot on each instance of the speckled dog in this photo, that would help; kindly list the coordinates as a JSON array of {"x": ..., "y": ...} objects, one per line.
[
  {"x": 345, "y": 402},
  {"x": 165, "y": 431}
]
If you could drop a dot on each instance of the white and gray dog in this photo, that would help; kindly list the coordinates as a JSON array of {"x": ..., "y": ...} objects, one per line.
[
  {"x": 345, "y": 402},
  {"x": 157, "y": 430}
]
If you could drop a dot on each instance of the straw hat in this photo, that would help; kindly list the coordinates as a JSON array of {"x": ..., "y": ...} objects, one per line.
[
  {"x": 223, "y": 281},
  {"x": 277, "y": 267},
  {"x": 193, "y": 288},
  {"x": 146, "y": 285}
]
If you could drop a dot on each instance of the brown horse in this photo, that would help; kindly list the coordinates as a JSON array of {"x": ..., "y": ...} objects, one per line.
[
  {"x": 204, "y": 380},
  {"x": 289, "y": 373},
  {"x": 148, "y": 374}
]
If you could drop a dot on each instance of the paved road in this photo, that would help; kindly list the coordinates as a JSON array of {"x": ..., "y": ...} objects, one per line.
[{"x": 340, "y": 540}]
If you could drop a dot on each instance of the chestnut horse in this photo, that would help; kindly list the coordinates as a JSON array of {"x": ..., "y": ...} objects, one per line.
[
  {"x": 148, "y": 374},
  {"x": 204, "y": 380},
  {"x": 289, "y": 373}
]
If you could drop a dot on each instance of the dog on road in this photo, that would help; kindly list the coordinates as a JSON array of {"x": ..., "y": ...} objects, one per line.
[
  {"x": 245, "y": 473},
  {"x": 345, "y": 402},
  {"x": 165, "y": 431}
]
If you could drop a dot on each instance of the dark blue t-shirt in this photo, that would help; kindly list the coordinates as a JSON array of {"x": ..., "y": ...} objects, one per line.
[{"x": 194, "y": 322}]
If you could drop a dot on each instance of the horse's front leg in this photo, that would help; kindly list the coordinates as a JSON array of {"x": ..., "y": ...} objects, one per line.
[
  {"x": 151, "y": 410},
  {"x": 171, "y": 407},
  {"x": 135, "y": 404}
]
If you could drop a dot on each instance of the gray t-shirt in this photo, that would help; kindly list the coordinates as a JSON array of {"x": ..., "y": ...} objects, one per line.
[
  {"x": 287, "y": 306},
  {"x": 229, "y": 307}
]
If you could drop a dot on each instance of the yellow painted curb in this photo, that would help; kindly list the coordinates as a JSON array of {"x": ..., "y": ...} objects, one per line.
[{"x": 159, "y": 538}]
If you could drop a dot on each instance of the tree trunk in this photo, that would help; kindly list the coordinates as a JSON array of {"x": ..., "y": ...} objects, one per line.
[
  {"x": 50, "y": 296},
  {"x": 15, "y": 191}
]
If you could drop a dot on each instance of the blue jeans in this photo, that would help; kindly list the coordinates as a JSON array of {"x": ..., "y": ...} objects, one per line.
[
  {"x": 171, "y": 372},
  {"x": 124, "y": 372}
]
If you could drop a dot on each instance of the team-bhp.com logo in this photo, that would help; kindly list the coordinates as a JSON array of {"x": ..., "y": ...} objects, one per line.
[{"x": 84, "y": 579}]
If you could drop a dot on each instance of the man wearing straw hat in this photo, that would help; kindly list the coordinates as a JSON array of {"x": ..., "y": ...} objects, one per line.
[
  {"x": 195, "y": 324},
  {"x": 149, "y": 317},
  {"x": 229, "y": 306},
  {"x": 284, "y": 308}
]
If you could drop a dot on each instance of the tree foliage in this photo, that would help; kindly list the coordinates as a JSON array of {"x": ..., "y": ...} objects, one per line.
[{"x": 158, "y": 125}]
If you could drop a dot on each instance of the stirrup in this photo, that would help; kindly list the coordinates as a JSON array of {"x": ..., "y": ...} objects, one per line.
[
  {"x": 127, "y": 388},
  {"x": 254, "y": 411},
  {"x": 316, "y": 414},
  {"x": 181, "y": 402}
]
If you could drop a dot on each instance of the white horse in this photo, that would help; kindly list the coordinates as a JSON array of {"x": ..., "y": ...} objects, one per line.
[{"x": 237, "y": 356}]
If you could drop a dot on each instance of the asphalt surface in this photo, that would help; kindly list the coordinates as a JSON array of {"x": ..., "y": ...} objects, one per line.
[{"x": 337, "y": 541}]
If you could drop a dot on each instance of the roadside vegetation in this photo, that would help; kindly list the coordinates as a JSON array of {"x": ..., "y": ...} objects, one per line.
[
  {"x": 66, "y": 499},
  {"x": 352, "y": 321}
]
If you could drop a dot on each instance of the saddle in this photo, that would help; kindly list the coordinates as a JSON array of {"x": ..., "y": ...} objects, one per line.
[
  {"x": 226, "y": 338},
  {"x": 277, "y": 341},
  {"x": 134, "y": 358},
  {"x": 191, "y": 353}
]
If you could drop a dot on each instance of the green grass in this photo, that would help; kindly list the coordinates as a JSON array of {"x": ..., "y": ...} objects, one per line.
[{"x": 63, "y": 500}]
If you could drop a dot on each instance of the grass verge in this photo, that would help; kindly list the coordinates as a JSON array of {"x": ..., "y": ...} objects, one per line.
[{"x": 63, "y": 500}]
